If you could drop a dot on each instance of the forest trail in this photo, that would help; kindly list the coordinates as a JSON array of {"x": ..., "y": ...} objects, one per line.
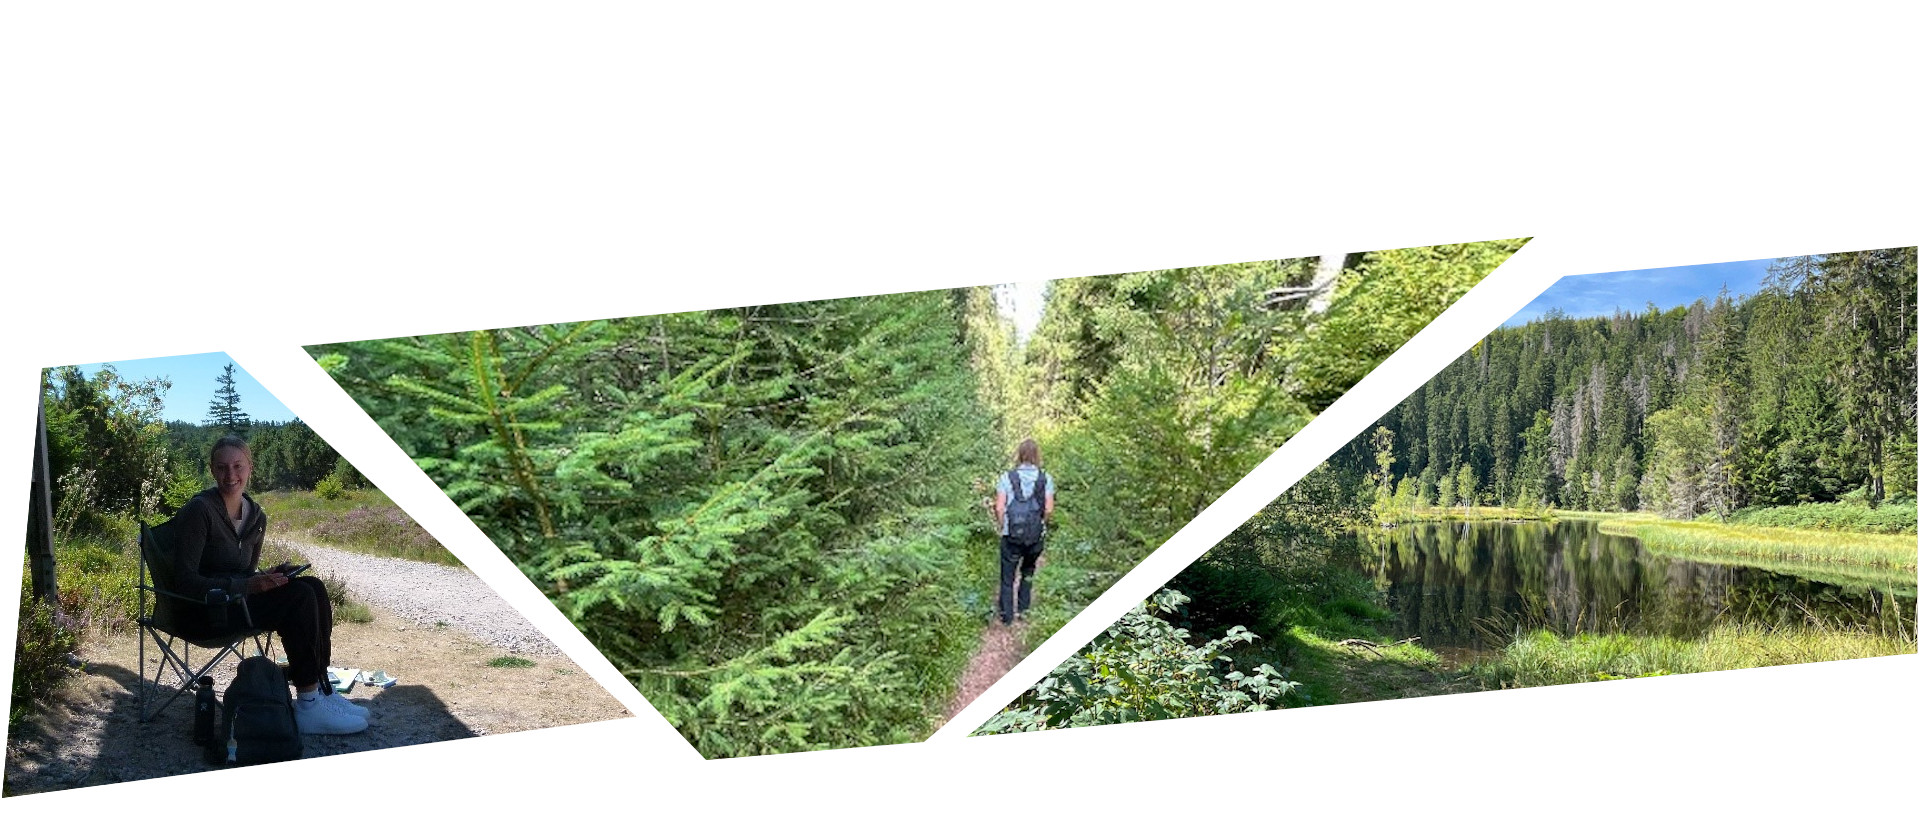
[{"x": 1000, "y": 648}]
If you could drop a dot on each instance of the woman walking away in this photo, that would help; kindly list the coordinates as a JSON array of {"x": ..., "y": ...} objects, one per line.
[
  {"x": 218, "y": 546},
  {"x": 1023, "y": 504}
]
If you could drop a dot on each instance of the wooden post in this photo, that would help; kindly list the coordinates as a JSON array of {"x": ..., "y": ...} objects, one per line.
[{"x": 40, "y": 515}]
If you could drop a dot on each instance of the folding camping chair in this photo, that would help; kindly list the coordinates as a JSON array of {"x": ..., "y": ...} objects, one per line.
[{"x": 171, "y": 620}]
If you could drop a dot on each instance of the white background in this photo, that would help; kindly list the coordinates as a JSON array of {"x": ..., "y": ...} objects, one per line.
[{"x": 181, "y": 178}]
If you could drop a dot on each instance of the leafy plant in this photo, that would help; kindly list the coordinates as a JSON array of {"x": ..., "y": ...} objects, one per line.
[
  {"x": 330, "y": 487},
  {"x": 751, "y": 512},
  {"x": 1144, "y": 668},
  {"x": 41, "y": 649}
]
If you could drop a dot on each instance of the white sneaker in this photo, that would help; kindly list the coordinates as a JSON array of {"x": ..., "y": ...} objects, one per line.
[
  {"x": 341, "y": 703},
  {"x": 319, "y": 716}
]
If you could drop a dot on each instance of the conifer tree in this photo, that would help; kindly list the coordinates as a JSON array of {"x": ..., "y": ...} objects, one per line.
[
  {"x": 224, "y": 411},
  {"x": 1803, "y": 392}
]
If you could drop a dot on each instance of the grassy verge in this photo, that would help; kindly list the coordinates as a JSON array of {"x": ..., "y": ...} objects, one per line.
[
  {"x": 1541, "y": 658},
  {"x": 1336, "y": 640},
  {"x": 1747, "y": 542},
  {"x": 1889, "y": 517},
  {"x": 1477, "y": 513},
  {"x": 1330, "y": 672},
  {"x": 363, "y": 521}
]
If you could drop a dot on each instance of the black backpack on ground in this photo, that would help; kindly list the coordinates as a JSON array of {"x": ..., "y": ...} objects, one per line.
[
  {"x": 256, "y": 722},
  {"x": 1026, "y": 514}
]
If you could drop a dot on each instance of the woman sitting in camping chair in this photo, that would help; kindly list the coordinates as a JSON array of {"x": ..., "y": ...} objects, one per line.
[{"x": 218, "y": 538}]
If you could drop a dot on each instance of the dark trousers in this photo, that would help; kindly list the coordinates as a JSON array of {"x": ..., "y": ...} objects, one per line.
[
  {"x": 301, "y": 614},
  {"x": 1020, "y": 560}
]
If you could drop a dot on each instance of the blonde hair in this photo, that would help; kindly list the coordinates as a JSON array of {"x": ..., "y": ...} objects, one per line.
[{"x": 229, "y": 441}]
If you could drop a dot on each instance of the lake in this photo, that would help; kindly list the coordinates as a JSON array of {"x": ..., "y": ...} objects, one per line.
[{"x": 1466, "y": 588}]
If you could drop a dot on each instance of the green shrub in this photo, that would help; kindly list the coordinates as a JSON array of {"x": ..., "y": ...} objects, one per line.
[
  {"x": 345, "y": 608},
  {"x": 95, "y": 569},
  {"x": 1142, "y": 668},
  {"x": 182, "y": 488},
  {"x": 330, "y": 487},
  {"x": 40, "y": 653},
  {"x": 1889, "y": 517}
]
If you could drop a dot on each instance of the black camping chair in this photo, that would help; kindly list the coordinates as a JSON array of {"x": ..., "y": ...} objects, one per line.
[{"x": 177, "y": 623}]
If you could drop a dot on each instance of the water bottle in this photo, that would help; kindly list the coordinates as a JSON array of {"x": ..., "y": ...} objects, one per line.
[{"x": 204, "y": 708}]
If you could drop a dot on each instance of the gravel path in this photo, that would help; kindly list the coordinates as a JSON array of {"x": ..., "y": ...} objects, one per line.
[{"x": 428, "y": 594}]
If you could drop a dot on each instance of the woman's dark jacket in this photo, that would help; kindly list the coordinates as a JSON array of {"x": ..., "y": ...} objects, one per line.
[{"x": 208, "y": 553}]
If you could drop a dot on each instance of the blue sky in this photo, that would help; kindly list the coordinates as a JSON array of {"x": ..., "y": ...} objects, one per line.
[
  {"x": 1597, "y": 295},
  {"x": 193, "y": 378}
]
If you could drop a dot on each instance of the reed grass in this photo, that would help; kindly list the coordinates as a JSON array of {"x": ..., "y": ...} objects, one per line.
[
  {"x": 1477, "y": 513},
  {"x": 1747, "y": 542},
  {"x": 1543, "y": 658}
]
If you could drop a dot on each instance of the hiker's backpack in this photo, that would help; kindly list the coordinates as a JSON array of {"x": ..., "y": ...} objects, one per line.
[
  {"x": 256, "y": 716},
  {"x": 1026, "y": 514}
]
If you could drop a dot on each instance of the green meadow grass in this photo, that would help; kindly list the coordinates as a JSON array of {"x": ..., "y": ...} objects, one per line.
[
  {"x": 363, "y": 521},
  {"x": 1543, "y": 658},
  {"x": 1898, "y": 552},
  {"x": 1477, "y": 513}
]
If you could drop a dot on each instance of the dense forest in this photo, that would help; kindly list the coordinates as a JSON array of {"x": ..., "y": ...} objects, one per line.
[
  {"x": 1803, "y": 392},
  {"x": 1789, "y": 412},
  {"x": 774, "y": 519}
]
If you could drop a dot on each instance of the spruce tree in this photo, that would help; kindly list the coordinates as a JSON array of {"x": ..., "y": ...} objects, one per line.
[{"x": 224, "y": 411}]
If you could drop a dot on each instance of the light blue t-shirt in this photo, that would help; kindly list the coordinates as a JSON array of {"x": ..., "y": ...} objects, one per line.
[{"x": 1028, "y": 477}]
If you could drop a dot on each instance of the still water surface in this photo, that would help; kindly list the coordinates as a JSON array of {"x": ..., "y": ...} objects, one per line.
[{"x": 1467, "y": 588}]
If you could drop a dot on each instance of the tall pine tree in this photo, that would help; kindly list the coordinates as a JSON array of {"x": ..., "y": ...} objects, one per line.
[{"x": 224, "y": 411}]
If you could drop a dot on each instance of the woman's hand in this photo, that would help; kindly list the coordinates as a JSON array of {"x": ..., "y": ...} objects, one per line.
[{"x": 261, "y": 583}]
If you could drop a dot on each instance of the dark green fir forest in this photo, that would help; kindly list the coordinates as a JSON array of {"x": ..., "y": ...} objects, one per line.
[
  {"x": 1717, "y": 485},
  {"x": 775, "y": 520},
  {"x": 1801, "y": 393}
]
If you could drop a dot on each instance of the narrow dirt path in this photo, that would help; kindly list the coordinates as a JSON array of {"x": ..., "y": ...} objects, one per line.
[{"x": 1000, "y": 648}]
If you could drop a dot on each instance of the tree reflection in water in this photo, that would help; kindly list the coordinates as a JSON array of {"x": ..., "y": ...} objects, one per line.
[{"x": 1474, "y": 585}]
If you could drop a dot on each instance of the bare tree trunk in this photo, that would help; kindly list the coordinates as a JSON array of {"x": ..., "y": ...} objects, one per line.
[
  {"x": 40, "y": 515},
  {"x": 1325, "y": 281},
  {"x": 1318, "y": 294}
]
